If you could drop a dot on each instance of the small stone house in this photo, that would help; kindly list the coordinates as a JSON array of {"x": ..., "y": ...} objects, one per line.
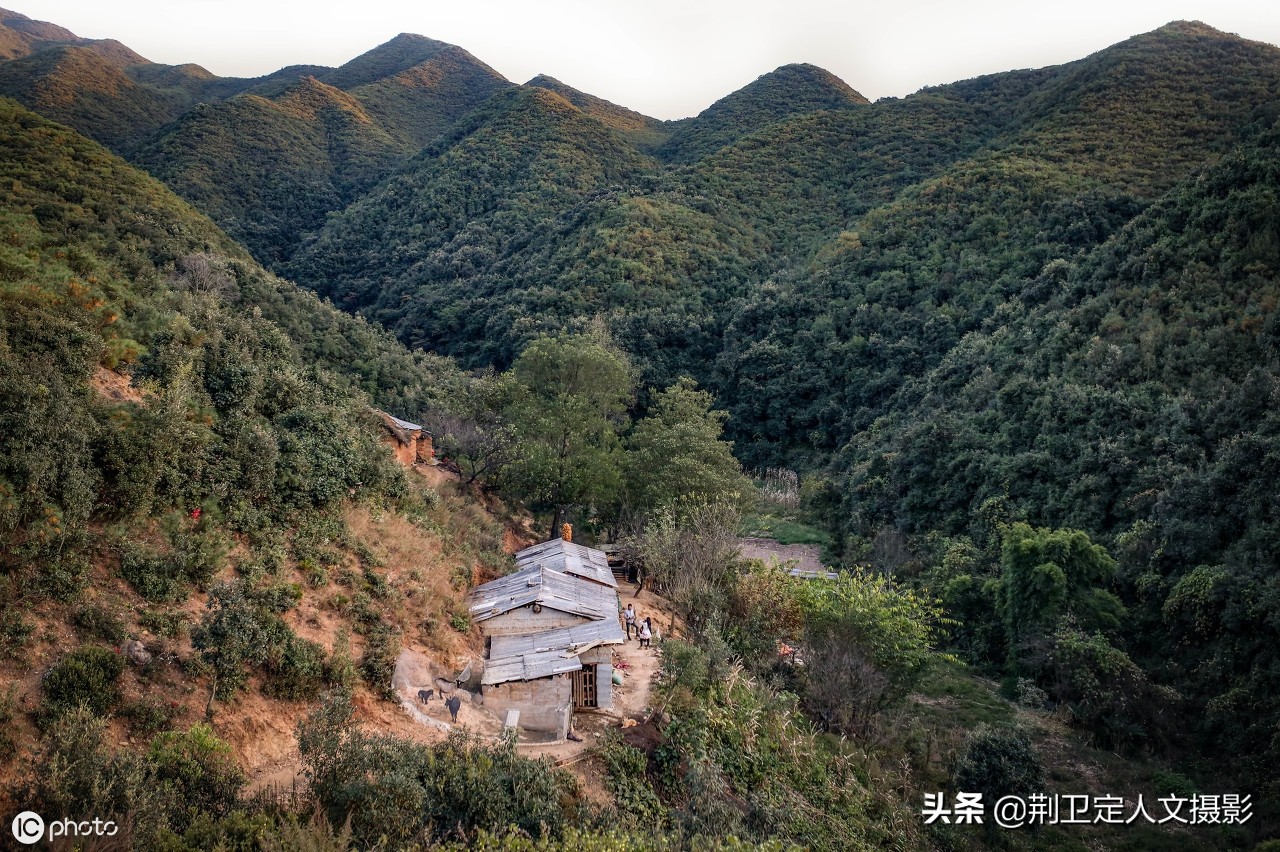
[
  {"x": 549, "y": 633},
  {"x": 409, "y": 441}
]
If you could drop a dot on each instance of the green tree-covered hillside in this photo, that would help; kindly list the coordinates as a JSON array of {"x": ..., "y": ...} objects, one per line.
[{"x": 269, "y": 169}]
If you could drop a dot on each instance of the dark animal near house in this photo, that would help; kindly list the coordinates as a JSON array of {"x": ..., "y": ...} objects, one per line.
[
  {"x": 452, "y": 704},
  {"x": 425, "y": 695}
]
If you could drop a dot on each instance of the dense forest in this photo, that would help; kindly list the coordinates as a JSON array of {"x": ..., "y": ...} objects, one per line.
[{"x": 1006, "y": 348}]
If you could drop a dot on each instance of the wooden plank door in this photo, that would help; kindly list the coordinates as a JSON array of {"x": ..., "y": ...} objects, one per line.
[{"x": 584, "y": 686}]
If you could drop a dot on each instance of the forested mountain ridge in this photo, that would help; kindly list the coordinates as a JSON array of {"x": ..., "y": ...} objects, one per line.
[
  {"x": 477, "y": 197},
  {"x": 1129, "y": 393},
  {"x": 82, "y": 86},
  {"x": 401, "y": 53},
  {"x": 268, "y": 169},
  {"x": 249, "y": 152},
  {"x": 421, "y": 102},
  {"x": 911, "y": 277},
  {"x": 801, "y": 192},
  {"x": 21, "y": 36}
]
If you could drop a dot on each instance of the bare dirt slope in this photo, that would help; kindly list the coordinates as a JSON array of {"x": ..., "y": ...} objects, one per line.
[{"x": 805, "y": 556}]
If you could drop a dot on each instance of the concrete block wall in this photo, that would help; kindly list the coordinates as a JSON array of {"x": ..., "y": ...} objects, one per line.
[
  {"x": 524, "y": 620},
  {"x": 545, "y": 704}
]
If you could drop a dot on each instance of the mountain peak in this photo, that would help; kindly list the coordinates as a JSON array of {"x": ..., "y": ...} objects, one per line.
[
  {"x": 805, "y": 82},
  {"x": 1184, "y": 28},
  {"x": 644, "y": 132},
  {"x": 399, "y": 54},
  {"x": 785, "y": 91},
  {"x": 412, "y": 38},
  {"x": 546, "y": 81},
  {"x": 309, "y": 97},
  {"x": 42, "y": 30},
  {"x": 21, "y": 36},
  {"x": 116, "y": 52}
]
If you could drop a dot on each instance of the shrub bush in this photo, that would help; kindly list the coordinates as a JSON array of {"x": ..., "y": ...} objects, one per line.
[
  {"x": 163, "y": 623},
  {"x": 629, "y": 784},
  {"x": 100, "y": 623},
  {"x": 8, "y": 704},
  {"x": 340, "y": 670},
  {"x": 62, "y": 575},
  {"x": 15, "y": 632},
  {"x": 295, "y": 668},
  {"x": 154, "y": 576},
  {"x": 401, "y": 790},
  {"x": 998, "y": 762},
  {"x": 199, "y": 767},
  {"x": 378, "y": 662},
  {"x": 149, "y": 716},
  {"x": 77, "y": 774},
  {"x": 194, "y": 556},
  {"x": 279, "y": 597},
  {"x": 87, "y": 676},
  {"x": 1173, "y": 784}
]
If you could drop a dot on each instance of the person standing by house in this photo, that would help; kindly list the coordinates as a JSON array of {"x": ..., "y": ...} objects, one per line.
[
  {"x": 629, "y": 616},
  {"x": 646, "y": 633}
]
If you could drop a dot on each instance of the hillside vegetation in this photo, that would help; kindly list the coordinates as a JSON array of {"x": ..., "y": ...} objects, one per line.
[
  {"x": 788, "y": 91},
  {"x": 270, "y": 169},
  {"x": 231, "y": 506}
]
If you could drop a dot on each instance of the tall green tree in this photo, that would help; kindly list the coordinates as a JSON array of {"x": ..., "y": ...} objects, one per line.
[
  {"x": 475, "y": 431},
  {"x": 1047, "y": 575},
  {"x": 676, "y": 456},
  {"x": 568, "y": 411}
]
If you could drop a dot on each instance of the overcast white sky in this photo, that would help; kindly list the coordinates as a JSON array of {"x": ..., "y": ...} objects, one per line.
[{"x": 666, "y": 58}]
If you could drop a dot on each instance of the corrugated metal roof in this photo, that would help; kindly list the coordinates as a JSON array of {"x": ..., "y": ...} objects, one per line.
[
  {"x": 536, "y": 584},
  {"x": 529, "y": 667},
  {"x": 561, "y": 575},
  {"x": 813, "y": 574},
  {"x": 605, "y": 632},
  {"x": 404, "y": 424},
  {"x": 547, "y": 653},
  {"x": 564, "y": 576},
  {"x": 569, "y": 558}
]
